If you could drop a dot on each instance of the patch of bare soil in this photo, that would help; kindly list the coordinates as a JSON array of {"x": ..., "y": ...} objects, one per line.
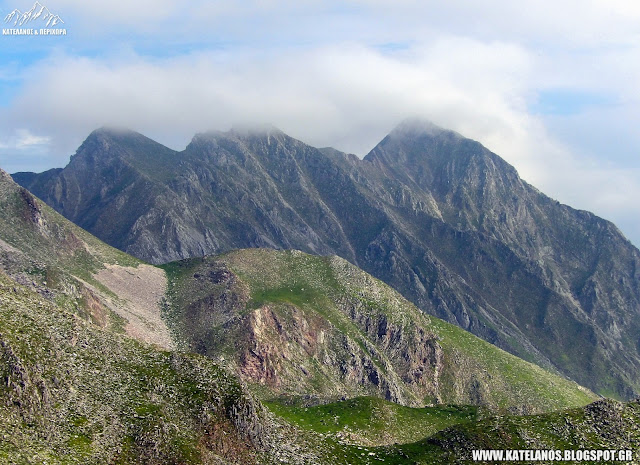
[{"x": 139, "y": 292}]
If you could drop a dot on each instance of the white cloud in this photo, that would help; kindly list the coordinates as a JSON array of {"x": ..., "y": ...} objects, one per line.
[
  {"x": 318, "y": 94},
  {"x": 22, "y": 139},
  {"x": 25, "y": 139},
  {"x": 345, "y": 73}
]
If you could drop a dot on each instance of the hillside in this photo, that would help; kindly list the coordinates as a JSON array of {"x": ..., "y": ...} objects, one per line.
[
  {"x": 65, "y": 264},
  {"x": 85, "y": 377},
  {"x": 318, "y": 328},
  {"x": 605, "y": 425},
  {"x": 73, "y": 393},
  {"x": 75, "y": 390},
  {"x": 440, "y": 218}
]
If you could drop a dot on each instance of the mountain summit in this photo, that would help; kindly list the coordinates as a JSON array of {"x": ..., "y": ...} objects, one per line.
[{"x": 440, "y": 218}]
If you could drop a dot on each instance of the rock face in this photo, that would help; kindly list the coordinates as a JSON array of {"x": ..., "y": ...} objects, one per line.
[
  {"x": 319, "y": 329},
  {"x": 438, "y": 217}
]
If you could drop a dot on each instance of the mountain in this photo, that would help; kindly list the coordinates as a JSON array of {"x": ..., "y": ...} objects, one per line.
[
  {"x": 347, "y": 334},
  {"x": 73, "y": 393},
  {"x": 86, "y": 374},
  {"x": 75, "y": 389},
  {"x": 319, "y": 329},
  {"x": 440, "y": 218}
]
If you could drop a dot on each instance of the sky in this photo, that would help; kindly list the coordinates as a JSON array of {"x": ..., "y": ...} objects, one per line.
[{"x": 551, "y": 87}]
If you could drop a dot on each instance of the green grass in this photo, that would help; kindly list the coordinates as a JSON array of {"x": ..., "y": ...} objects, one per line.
[
  {"x": 372, "y": 420},
  {"x": 511, "y": 375},
  {"x": 295, "y": 294},
  {"x": 604, "y": 425}
]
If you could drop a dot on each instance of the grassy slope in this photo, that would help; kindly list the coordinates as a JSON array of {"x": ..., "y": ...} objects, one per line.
[
  {"x": 34, "y": 228},
  {"x": 318, "y": 284},
  {"x": 604, "y": 425},
  {"x": 373, "y": 421},
  {"x": 74, "y": 393},
  {"x": 347, "y": 430}
]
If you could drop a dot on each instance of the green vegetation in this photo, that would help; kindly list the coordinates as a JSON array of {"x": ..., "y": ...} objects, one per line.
[
  {"x": 42, "y": 234},
  {"x": 602, "y": 425},
  {"x": 373, "y": 421},
  {"x": 508, "y": 373}
]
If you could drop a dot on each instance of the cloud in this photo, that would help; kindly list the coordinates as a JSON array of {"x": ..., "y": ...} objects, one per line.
[
  {"x": 318, "y": 94},
  {"x": 345, "y": 73},
  {"x": 23, "y": 139},
  {"x": 21, "y": 150}
]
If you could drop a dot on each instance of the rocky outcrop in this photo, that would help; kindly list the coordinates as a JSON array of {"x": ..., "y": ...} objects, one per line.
[
  {"x": 71, "y": 390},
  {"x": 404, "y": 373},
  {"x": 605, "y": 425},
  {"x": 317, "y": 329}
]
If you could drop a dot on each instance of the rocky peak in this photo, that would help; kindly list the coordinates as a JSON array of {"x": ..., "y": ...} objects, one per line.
[
  {"x": 408, "y": 140},
  {"x": 113, "y": 142},
  {"x": 457, "y": 171},
  {"x": 103, "y": 139},
  {"x": 250, "y": 147},
  {"x": 438, "y": 216},
  {"x": 247, "y": 131}
]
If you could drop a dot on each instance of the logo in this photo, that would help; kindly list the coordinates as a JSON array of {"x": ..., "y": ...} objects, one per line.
[{"x": 38, "y": 15}]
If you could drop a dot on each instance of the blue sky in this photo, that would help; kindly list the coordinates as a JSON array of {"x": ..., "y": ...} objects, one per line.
[{"x": 549, "y": 86}]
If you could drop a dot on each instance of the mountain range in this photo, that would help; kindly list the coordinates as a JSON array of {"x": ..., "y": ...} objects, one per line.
[
  {"x": 438, "y": 217},
  {"x": 255, "y": 356}
]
